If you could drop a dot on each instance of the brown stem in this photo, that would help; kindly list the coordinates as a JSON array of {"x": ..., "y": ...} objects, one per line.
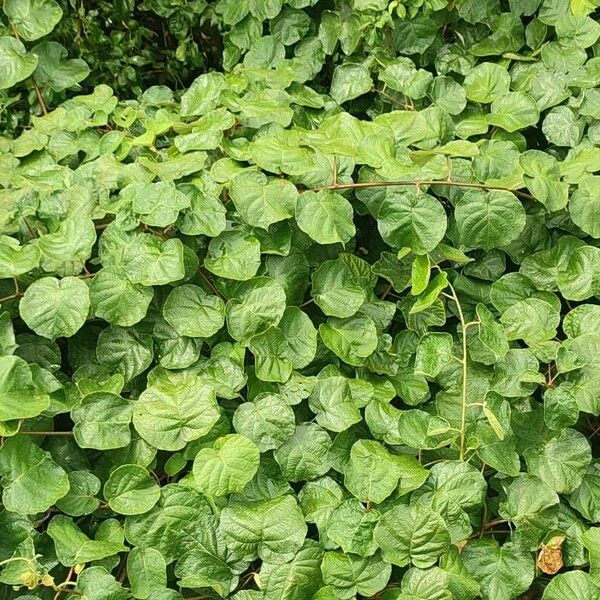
[
  {"x": 209, "y": 282},
  {"x": 40, "y": 98},
  {"x": 387, "y": 290},
  {"x": 493, "y": 523},
  {"x": 334, "y": 178},
  {"x": 59, "y": 589},
  {"x": 417, "y": 184},
  {"x": 123, "y": 574},
  {"x": 31, "y": 231},
  {"x": 46, "y": 432},
  {"x": 11, "y": 297}
]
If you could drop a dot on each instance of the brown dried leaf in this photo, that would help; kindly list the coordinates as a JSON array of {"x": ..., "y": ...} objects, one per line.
[{"x": 550, "y": 559}]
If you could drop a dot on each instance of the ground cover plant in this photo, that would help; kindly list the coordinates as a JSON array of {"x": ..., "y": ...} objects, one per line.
[{"x": 300, "y": 301}]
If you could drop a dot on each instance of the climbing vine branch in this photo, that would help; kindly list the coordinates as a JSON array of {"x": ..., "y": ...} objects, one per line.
[
  {"x": 422, "y": 182},
  {"x": 463, "y": 360}
]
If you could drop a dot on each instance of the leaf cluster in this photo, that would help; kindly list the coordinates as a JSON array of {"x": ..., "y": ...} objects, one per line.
[{"x": 322, "y": 324}]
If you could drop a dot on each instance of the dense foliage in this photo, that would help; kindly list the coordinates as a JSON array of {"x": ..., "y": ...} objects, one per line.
[{"x": 299, "y": 299}]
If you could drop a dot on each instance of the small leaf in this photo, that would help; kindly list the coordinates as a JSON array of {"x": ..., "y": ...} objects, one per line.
[
  {"x": 227, "y": 467},
  {"x": 273, "y": 530},
  {"x": 260, "y": 201},
  {"x": 194, "y": 313},
  {"x": 55, "y": 308},
  {"x": 33, "y": 19},
  {"x": 23, "y": 467},
  {"x": 489, "y": 219},
  {"x": 325, "y": 216},
  {"x": 175, "y": 409},
  {"x": 434, "y": 352},
  {"x": 146, "y": 571},
  {"x": 350, "y": 81},
  {"x": 416, "y": 535},
  {"x": 130, "y": 490},
  {"x": 73, "y": 547},
  {"x": 408, "y": 219}
]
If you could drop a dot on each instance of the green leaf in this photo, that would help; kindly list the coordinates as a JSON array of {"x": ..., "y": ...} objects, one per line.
[
  {"x": 489, "y": 219},
  {"x": 233, "y": 255},
  {"x": 434, "y": 352},
  {"x": 151, "y": 261},
  {"x": 304, "y": 455},
  {"x": 574, "y": 584},
  {"x": 543, "y": 179},
  {"x": 257, "y": 305},
  {"x": 102, "y": 421},
  {"x": 490, "y": 333},
  {"x": 180, "y": 521},
  {"x": 226, "y": 467},
  {"x": 65, "y": 251},
  {"x": 33, "y": 19},
  {"x": 55, "y": 70},
  {"x": 577, "y": 30},
  {"x": 203, "y": 95},
  {"x": 206, "y": 568},
  {"x": 147, "y": 571},
  {"x": 513, "y": 111},
  {"x": 174, "y": 410},
  {"x": 415, "y": 534},
  {"x": 20, "y": 398},
  {"x": 408, "y": 219},
  {"x": 16, "y": 63},
  {"x": 560, "y": 407},
  {"x": 532, "y": 320},
  {"x": 130, "y": 490},
  {"x": 273, "y": 530},
  {"x": 95, "y": 583},
  {"x": 336, "y": 290},
  {"x": 325, "y": 216},
  {"x": 504, "y": 572},
  {"x": 300, "y": 335},
  {"x": 299, "y": 578},
  {"x": 349, "y": 575},
  {"x": 73, "y": 547},
  {"x": 562, "y": 127},
  {"x": 373, "y": 473},
  {"x": 15, "y": 259},
  {"x": 585, "y": 498},
  {"x": 25, "y": 467},
  {"x": 402, "y": 76},
  {"x": 351, "y": 339},
  {"x": 452, "y": 489},
  {"x": 420, "y": 274},
  {"x": 194, "y": 313},
  {"x": 55, "y": 307},
  {"x": 116, "y": 300},
  {"x": 157, "y": 204},
  {"x": 206, "y": 213},
  {"x": 486, "y": 82},
  {"x": 351, "y": 526},
  {"x": 126, "y": 350},
  {"x": 260, "y": 201},
  {"x": 527, "y": 496},
  {"x": 584, "y": 206},
  {"x": 349, "y": 81},
  {"x": 562, "y": 461},
  {"x": 268, "y": 421},
  {"x": 430, "y": 294},
  {"x": 81, "y": 497}
]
